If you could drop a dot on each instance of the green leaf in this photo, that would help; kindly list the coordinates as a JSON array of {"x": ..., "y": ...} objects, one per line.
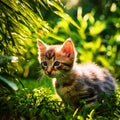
[
  {"x": 56, "y": 5},
  {"x": 97, "y": 28},
  {"x": 8, "y": 84},
  {"x": 67, "y": 18},
  {"x": 91, "y": 115}
]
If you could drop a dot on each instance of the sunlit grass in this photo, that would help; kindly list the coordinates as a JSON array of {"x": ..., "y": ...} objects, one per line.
[
  {"x": 21, "y": 23},
  {"x": 37, "y": 101},
  {"x": 36, "y": 83}
]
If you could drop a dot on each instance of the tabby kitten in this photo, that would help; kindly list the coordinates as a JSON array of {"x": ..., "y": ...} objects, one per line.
[{"x": 74, "y": 82}]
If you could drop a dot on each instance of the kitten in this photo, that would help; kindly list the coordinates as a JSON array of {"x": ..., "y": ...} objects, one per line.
[{"x": 74, "y": 82}]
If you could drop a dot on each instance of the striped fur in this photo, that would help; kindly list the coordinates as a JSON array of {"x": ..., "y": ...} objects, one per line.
[{"x": 74, "y": 82}]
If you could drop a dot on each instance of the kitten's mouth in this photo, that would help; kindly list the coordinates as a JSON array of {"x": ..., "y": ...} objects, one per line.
[{"x": 51, "y": 74}]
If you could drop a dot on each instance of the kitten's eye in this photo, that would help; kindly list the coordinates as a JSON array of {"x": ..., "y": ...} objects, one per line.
[
  {"x": 44, "y": 64},
  {"x": 57, "y": 63}
]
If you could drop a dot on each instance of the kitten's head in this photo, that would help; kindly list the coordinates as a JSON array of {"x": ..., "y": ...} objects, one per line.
[{"x": 56, "y": 59}]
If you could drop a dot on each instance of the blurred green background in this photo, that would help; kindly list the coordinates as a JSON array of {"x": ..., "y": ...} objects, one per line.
[{"x": 93, "y": 25}]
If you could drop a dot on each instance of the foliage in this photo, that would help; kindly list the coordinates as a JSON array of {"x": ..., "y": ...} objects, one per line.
[
  {"x": 8, "y": 84},
  {"x": 95, "y": 30},
  {"x": 14, "y": 31},
  {"x": 40, "y": 103}
]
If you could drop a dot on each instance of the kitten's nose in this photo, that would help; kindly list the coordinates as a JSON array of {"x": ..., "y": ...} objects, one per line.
[{"x": 49, "y": 71}]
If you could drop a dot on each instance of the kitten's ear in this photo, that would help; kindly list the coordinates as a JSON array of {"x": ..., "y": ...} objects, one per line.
[
  {"x": 41, "y": 45},
  {"x": 68, "y": 47}
]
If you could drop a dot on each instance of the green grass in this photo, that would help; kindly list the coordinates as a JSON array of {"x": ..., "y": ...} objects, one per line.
[
  {"x": 96, "y": 36},
  {"x": 29, "y": 84},
  {"x": 37, "y": 101},
  {"x": 32, "y": 84}
]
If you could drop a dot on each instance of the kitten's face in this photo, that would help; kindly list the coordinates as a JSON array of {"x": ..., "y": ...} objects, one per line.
[{"x": 56, "y": 59}]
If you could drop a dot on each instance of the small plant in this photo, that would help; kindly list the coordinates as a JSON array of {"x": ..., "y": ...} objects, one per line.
[{"x": 41, "y": 103}]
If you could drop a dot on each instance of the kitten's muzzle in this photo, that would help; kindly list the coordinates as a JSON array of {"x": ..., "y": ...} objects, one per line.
[{"x": 48, "y": 72}]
